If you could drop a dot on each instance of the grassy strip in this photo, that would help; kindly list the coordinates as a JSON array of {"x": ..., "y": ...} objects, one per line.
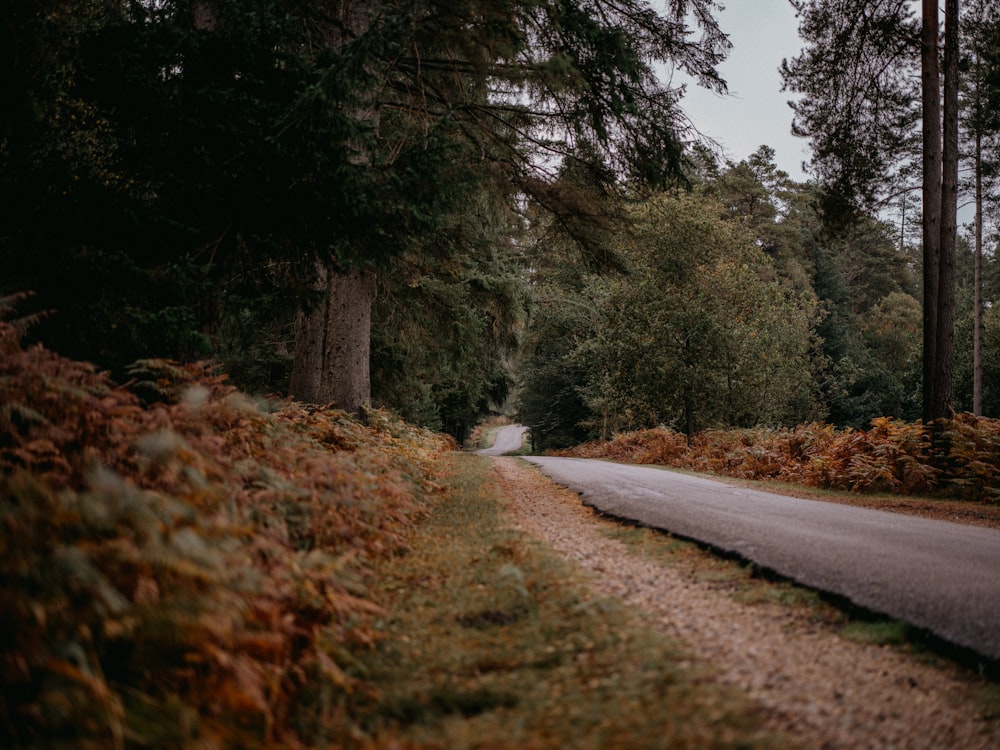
[{"x": 493, "y": 641}]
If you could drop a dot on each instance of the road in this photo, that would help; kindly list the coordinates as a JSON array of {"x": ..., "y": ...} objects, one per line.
[
  {"x": 940, "y": 576},
  {"x": 507, "y": 440}
]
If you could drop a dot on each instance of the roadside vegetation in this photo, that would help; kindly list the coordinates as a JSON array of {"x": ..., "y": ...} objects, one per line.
[
  {"x": 184, "y": 567},
  {"x": 509, "y": 649},
  {"x": 896, "y": 457},
  {"x": 181, "y": 567}
]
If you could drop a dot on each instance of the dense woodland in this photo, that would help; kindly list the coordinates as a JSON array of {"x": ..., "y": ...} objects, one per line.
[{"x": 510, "y": 194}]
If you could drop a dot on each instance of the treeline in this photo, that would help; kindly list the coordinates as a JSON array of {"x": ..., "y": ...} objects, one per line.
[
  {"x": 738, "y": 304},
  {"x": 171, "y": 174},
  {"x": 511, "y": 192},
  {"x": 245, "y": 181}
]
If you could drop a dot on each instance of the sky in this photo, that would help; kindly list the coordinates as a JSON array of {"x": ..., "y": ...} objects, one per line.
[{"x": 755, "y": 112}]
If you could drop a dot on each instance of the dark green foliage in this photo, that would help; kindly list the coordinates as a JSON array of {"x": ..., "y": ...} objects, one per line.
[
  {"x": 168, "y": 184},
  {"x": 550, "y": 400},
  {"x": 858, "y": 102},
  {"x": 444, "y": 335}
]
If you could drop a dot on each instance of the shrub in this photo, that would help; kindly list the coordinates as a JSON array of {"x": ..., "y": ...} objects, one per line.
[{"x": 180, "y": 566}]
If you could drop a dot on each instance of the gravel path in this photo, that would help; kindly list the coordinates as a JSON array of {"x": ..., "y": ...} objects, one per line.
[{"x": 819, "y": 688}]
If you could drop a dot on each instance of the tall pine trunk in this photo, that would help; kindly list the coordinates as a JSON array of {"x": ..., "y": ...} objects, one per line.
[
  {"x": 977, "y": 335},
  {"x": 930, "y": 79},
  {"x": 943, "y": 396},
  {"x": 940, "y": 196}
]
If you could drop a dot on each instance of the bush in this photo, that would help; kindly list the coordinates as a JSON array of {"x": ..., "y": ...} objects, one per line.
[
  {"x": 184, "y": 567},
  {"x": 959, "y": 457}
]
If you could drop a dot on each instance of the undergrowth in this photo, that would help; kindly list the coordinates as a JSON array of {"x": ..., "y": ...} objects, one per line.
[
  {"x": 958, "y": 457},
  {"x": 183, "y": 568}
]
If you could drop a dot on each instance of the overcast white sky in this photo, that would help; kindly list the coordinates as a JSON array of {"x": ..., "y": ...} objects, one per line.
[{"x": 755, "y": 112}]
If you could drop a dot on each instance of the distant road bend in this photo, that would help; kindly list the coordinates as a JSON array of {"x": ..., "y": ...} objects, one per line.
[
  {"x": 507, "y": 440},
  {"x": 941, "y": 576}
]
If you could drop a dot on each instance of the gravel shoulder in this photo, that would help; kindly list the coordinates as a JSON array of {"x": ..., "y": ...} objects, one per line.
[{"x": 826, "y": 691}]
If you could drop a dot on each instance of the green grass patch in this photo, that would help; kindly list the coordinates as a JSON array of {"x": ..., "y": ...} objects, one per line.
[
  {"x": 879, "y": 632},
  {"x": 494, "y": 641}
]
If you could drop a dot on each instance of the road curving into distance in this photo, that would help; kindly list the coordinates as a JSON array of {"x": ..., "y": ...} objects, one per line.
[
  {"x": 940, "y": 576},
  {"x": 507, "y": 440}
]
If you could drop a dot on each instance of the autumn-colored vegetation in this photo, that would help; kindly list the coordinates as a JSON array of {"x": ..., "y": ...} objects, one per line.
[
  {"x": 959, "y": 457},
  {"x": 181, "y": 567}
]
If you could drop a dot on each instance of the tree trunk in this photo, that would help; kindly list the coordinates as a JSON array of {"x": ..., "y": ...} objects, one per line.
[
  {"x": 333, "y": 342},
  {"x": 332, "y": 360},
  {"x": 977, "y": 326},
  {"x": 346, "y": 379},
  {"x": 944, "y": 350},
  {"x": 930, "y": 78}
]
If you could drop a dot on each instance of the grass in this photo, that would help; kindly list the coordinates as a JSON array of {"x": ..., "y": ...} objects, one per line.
[
  {"x": 743, "y": 581},
  {"x": 494, "y": 641}
]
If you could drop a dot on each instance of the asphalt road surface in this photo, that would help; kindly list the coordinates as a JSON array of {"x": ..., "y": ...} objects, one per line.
[
  {"x": 941, "y": 576},
  {"x": 507, "y": 440}
]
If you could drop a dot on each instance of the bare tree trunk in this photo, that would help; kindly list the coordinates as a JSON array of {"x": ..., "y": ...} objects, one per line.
[
  {"x": 977, "y": 327},
  {"x": 943, "y": 399},
  {"x": 346, "y": 375},
  {"x": 930, "y": 78}
]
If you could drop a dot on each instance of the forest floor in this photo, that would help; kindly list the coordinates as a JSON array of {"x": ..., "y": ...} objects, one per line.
[{"x": 561, "y": 628}]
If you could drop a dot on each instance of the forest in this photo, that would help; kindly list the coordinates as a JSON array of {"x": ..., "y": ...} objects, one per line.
[
  {"x": 267, "y": 263},
  {"x": 516, "y": 213}
]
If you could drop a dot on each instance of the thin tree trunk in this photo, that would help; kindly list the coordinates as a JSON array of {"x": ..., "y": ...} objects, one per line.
[
  {"x": 977, "y": 327},
  {"x": 930, "y": 82},
  {"x": 943, "y": 401}
]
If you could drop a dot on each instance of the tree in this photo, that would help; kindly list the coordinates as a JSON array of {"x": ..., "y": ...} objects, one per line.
[
  {"x": 447, "y": 322},
  {"x": 981, "y": 27},
  {"x": 858, "y": 99},
  {"x": 695, "y": 334},
  {"x": 857, "y": 107},
  {"x": 526, "y": 84}
]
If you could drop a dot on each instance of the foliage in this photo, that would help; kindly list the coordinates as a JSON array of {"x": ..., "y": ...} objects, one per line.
[
  {"x": 182, "y": 567},
  {"x": 447, "y": 322},
  {"x": 157, "y": 173},
  {"x": 549, "y": 396},
  {"x": 858, "y": 101},
  {"x": 958, "y": 457},
  {"x": 695, "y": 333}
]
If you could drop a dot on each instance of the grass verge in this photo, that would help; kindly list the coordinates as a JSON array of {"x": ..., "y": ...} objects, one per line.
[
  {"x": 494, "y": 641},
  {"x": 749, "y": 585}
]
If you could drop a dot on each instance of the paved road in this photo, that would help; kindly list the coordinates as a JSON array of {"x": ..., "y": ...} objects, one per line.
[
  {"x": 507, "y": 440},
  {"x": 941, "y": 576}
]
